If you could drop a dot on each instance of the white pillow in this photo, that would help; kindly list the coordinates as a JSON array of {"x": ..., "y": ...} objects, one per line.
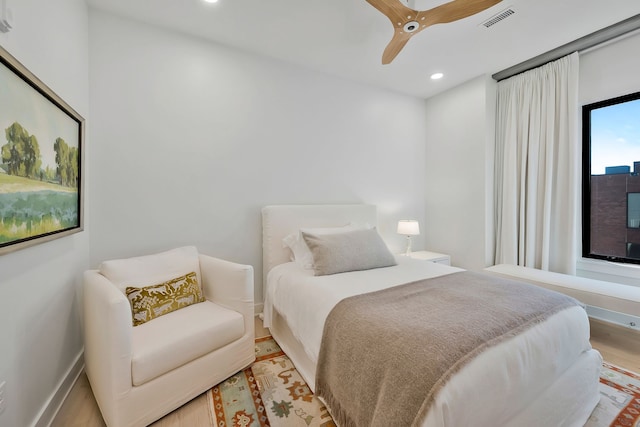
[
  {"x": 300, "y": 252},
  {"x": 351, "y": 251},
  {"x": 152, "y": 269}
]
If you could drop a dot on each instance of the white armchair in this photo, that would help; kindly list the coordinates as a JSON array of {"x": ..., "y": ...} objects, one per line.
[{"x": 139, "y": 374}]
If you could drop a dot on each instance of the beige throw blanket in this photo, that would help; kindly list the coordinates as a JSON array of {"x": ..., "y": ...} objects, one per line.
[{"x": 385, "y": 354}]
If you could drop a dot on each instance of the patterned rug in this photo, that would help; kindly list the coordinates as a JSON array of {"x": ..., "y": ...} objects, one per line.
[
  {"x": 619, "y": 404},
  {"x": 272, "y": 393},
  {"x": 269, "y": 393}
]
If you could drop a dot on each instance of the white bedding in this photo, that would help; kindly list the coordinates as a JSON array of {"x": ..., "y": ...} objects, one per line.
[
  {"x": 519, "y": 371},
  {"x": 305, "y": 300}
]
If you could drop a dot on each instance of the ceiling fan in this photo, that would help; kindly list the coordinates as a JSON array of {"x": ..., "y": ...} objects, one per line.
[{"x": 408, "y": 22}]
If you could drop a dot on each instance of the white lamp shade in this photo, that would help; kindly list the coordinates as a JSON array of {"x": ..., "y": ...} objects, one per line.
[{"x": 408, "y": 227}]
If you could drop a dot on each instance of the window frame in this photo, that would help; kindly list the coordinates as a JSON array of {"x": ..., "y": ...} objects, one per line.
[{"x": 586, "y": 177}]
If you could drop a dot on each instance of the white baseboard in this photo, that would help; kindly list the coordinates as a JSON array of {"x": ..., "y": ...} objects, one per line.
[
  {"x": 621, "y": 319},
  {"x": 57, "y": 398},
  {"x": 258, "y": 308}
]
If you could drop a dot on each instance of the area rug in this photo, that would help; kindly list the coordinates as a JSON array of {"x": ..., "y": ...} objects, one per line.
[
  {"x": 269, "y": 393},
  {"x": 272, "y": 393},
  {"x": 619, "y": 404}
]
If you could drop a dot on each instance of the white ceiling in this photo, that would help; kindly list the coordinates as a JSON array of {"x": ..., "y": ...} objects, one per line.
[{"x": 347, "y": 37}]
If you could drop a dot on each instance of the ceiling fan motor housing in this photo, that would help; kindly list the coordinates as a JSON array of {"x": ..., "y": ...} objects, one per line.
[{"x": 411, "y": 26}]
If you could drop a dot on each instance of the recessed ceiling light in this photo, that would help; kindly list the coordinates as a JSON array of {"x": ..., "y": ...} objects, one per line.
[
  {"x": 437, "y": 76},
  {"x": 211, "y": 1}
]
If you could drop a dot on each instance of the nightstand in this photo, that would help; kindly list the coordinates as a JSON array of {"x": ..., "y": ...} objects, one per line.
[{"x": 431, "y": 256}]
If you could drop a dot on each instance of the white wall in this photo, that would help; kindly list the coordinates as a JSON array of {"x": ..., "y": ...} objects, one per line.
[
  {"x": 191, "y": 139},
  {"x": 40, "y": 337},
  {"x": 607, "y": 72},
  {"x": 460, "y": 139},
  {"x": 610, "y": 70}
]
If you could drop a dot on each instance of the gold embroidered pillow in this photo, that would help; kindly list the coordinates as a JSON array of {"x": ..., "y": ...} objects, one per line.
[{"x": 153, "y": 301}]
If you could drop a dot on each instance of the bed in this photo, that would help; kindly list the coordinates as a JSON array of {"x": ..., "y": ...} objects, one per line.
[{"x": 546, "y": 374}]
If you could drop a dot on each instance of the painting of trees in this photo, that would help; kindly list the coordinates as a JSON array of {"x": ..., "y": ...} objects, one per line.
[
  {"x": 40, "y": 160},
  {"x": 21, "y": 153},
  {"x": 44, "y": 197},
  {"x": 67, "y": 161}
]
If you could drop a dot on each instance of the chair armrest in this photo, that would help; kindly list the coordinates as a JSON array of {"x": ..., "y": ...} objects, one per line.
[
  {"x": 107, "y": 336},
  {"x": 230, "y": 285}
]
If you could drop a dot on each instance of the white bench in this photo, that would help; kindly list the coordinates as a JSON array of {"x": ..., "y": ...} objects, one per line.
[{"x": 597, "y": 293}]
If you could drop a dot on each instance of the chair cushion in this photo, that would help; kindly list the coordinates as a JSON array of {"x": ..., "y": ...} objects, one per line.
[
  {"x": 152, "y": 269},
  {"x": 179, "y": 337}
]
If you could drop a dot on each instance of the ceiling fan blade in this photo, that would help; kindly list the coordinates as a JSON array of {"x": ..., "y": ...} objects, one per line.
[
  {"x": 455, "y": 10},
  {"x": 395, "y": 46},
  {"x": 400, "y": 16}
]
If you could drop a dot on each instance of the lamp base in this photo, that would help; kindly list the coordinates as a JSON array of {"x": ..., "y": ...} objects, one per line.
[{"x": 408, "y": 251}]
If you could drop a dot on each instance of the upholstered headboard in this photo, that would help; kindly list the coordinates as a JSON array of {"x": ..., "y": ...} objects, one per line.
[{"x": 281, "y": 220}]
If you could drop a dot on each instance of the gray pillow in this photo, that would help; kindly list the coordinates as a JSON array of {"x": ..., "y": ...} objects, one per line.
[{"x": 350, "y": 251}]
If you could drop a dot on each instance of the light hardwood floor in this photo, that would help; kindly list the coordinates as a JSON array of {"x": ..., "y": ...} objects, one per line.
[{"x": 618, "y": 345}]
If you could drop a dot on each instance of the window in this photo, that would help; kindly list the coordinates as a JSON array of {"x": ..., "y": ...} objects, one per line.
[
  {"x": 633, "y": 210},
  {"x": 611, "y": 179}
]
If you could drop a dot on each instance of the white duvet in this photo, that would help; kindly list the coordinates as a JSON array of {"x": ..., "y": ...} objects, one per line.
[{"x": 548, "y": 373}]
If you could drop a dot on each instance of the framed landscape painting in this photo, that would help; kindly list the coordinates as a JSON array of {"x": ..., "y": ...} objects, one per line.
[{"x": 41, "y": 167}]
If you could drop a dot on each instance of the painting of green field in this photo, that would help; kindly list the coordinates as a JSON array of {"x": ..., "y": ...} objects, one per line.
[{"x": 30, "y": 208}]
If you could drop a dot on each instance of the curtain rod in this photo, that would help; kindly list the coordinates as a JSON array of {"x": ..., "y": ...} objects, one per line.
[{"x": 587, "y": 42}]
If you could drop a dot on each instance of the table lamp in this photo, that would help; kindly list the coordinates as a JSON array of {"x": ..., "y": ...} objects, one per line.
[{"x": 408, "y": 227}]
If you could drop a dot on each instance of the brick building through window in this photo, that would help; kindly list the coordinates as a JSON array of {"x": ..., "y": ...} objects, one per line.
[{"x": 615, "y": 212}]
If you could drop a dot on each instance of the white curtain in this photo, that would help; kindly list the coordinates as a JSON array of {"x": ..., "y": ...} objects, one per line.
[{"x": 537, "y": 167}]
